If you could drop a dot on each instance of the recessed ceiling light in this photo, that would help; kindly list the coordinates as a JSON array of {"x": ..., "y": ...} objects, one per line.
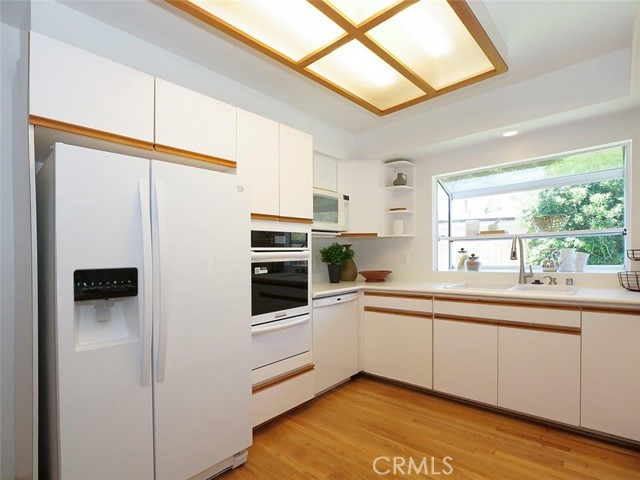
[
  {"x": 384, "y": 55},
  {"x": 510, "y": 133}
]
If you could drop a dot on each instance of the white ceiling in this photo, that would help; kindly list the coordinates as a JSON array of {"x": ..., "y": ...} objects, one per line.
[{"x": 540, "y": 41}]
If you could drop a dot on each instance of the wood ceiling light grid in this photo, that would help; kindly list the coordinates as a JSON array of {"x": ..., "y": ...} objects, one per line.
[{"x": 359, "y": 32}]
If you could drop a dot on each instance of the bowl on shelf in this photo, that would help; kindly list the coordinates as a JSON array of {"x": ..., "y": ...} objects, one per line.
[
  {"x": 550, "y": 223},
  {"x": 374, "y": 275}
]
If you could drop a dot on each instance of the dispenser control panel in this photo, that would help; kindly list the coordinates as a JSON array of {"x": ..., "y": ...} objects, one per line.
[{"x": 105, "y": 283}]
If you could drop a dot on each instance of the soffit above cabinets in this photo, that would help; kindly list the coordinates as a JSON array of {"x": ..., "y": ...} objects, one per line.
[{"x": 384, "y": 55}]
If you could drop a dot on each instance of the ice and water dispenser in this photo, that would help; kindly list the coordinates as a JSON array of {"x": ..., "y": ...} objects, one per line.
[{"x": 106, "y": 306}]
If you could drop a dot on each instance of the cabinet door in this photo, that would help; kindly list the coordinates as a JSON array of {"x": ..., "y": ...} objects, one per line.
[
  {"x": 258, "y": 161},
  {"x": 398, "y": 347},
  {"x": 539, "y": 373},
  {"x": 325, "y": 173},
  {"x": 187, "y": 120},
  {"x": 335, "y": 343},
  {"x": 296, "y": 173},
  {"x": 465, "y": 360},
  {"x": 611, "y": 373},
  {"x": 70, "y": 85}
]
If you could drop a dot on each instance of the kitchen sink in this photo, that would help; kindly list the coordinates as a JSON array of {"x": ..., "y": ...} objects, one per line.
[
  {"x": 510, "y": 287},
  {"x": 545, "y": 289}
]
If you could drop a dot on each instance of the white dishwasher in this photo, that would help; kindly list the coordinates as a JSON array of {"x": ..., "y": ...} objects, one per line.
[{"x": 335, "y": 339}]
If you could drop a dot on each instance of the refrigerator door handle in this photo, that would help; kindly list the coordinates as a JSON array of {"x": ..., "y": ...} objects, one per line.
[
  {"x": 145, "y": 217},
  {"x": 161, "y": 318}
]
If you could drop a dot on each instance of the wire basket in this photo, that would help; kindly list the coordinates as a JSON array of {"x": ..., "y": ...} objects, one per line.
[
  {"x": 550, "y": 223},
  {"x": 630, "y": 280},
  {"x": 634, "y": 254}
]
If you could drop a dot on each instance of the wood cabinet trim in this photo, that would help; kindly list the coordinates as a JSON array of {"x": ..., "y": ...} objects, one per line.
[
  {"x": 612, "y": 310},
  {"x": 194, "y": 155},
  {"x": 277, "y": 218},
  {"x": 415, "y": 296},
  {"x": 395, "y": 311},
  {"x": 89, "y": 132},
  {"x": 282, "y": 378},
  {"x": 508, "y": 303},
  {"x": 511, "y": 324},
  {"x": 463, "y": 319},
  {"x": 295, "y": 219},
  {"x": 127, "y": 141},
  {"x": 264, "y": 216}
]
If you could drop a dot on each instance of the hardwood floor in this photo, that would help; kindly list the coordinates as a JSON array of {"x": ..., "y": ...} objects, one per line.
[{"x": 341, "y": 434}]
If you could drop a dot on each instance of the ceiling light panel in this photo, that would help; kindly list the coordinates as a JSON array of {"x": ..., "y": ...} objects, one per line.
[
  {"x": 294, "y": 28},
  {"x": 360, "y": 10},
  {"x": 356, "y": 69},
  {"x": 384, "y": 55},
  {"x": 432, "y": 41}
]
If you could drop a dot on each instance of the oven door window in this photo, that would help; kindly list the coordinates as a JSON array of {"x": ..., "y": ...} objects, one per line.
[{"x": 277, "y": 286}]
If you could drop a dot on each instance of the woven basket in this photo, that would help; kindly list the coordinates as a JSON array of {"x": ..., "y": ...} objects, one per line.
[
  {"x": 550, "y": 223},
  {"x": 630, "y": 280}
]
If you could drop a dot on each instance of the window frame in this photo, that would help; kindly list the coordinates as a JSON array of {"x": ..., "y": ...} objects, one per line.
[{"x": 610, "y": 174}]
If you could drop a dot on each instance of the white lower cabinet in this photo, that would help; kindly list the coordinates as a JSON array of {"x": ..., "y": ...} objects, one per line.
[
  {"x": 281, "y": 386},
  {"x": 465, "y": 359},
  {"x": 398, "y": 346},
  {"x": 611, "y": 373},
  {"x": 539, "y": 373},
  {"x": 335, "y": 339}
]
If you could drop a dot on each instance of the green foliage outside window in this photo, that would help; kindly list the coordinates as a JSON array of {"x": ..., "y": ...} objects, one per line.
[{"x": 592, "y": 206}]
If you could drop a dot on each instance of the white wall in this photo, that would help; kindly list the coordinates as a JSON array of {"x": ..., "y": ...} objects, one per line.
[
  {"x": 70, "y": 26},
  {"x": 16, "y": 321},
  {"x": 388, "y": 253}
]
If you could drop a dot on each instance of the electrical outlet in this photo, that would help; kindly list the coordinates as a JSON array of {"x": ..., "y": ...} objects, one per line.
[{"x": 404, "y": 257}]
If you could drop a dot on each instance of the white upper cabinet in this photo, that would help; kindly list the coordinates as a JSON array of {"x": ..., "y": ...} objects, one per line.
[
  {"x": 258, "y": 161},
  {"x": 190, "y": 121},
  {"x": 325, "y": 172},
  {"x": 276, "y": 163},
  {"x": 72, "y": 86},
  {"x": 296, "y": 173}
]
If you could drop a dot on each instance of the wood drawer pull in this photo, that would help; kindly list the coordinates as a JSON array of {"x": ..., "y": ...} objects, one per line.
[{"x": 282, "y": 378}]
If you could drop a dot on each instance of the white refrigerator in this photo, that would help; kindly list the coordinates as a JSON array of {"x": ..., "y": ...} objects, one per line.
[{"x": 145, "y": 318}]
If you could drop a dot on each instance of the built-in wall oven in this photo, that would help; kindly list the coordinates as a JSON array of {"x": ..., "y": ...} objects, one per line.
[{"x": 280, "y": 296}]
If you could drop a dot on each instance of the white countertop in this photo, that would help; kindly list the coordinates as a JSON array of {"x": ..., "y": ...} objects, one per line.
[{"x": 584, "y": 295}]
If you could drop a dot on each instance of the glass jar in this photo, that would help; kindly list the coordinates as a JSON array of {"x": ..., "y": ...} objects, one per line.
[
  {"x": 461, "y": 260},
  {"x": 473, "y": 263}
]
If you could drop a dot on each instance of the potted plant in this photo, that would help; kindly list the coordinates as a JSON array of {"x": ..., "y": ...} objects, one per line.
[{"x": 334, "y": 256}]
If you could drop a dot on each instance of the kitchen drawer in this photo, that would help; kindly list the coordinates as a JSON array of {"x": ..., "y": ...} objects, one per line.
[
  {"x": 510, "y": 312},
  {"x": 399, "y": 301},
  {"x": 276, "y": 399}
]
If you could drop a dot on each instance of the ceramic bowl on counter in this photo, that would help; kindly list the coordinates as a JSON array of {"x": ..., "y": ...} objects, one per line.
[{"x": 375, "y": 275}]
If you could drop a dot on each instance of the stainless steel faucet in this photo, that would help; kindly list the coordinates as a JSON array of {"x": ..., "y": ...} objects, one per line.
[{"x": 515, "y": 245}]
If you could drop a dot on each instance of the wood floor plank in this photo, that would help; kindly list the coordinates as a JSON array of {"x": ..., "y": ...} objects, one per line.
[{"x": 339, "y": 435}]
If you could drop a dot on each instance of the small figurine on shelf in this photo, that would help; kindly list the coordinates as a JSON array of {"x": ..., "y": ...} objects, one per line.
[
  {"x": 400, "y": 180},
  {"x": 473, "y": 263}
]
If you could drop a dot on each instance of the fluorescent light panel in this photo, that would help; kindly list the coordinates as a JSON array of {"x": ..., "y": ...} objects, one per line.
[
  {"x": 384, "y": 55},
  {"x": 294, "y": 28}
]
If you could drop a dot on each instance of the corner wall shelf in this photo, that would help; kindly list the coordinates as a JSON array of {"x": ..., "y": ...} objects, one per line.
[{"x": 399, "y": 201}]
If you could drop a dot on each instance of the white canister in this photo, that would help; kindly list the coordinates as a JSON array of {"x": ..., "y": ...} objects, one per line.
[
  {"x": 398, "y": 227},
  {"x": 567, "y": 260},
  {"x": 581, "y": 261},
  {"x": 471, "y": 228}
]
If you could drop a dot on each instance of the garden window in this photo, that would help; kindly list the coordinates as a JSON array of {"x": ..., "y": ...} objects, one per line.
[{"x": 566, "y": 201}]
